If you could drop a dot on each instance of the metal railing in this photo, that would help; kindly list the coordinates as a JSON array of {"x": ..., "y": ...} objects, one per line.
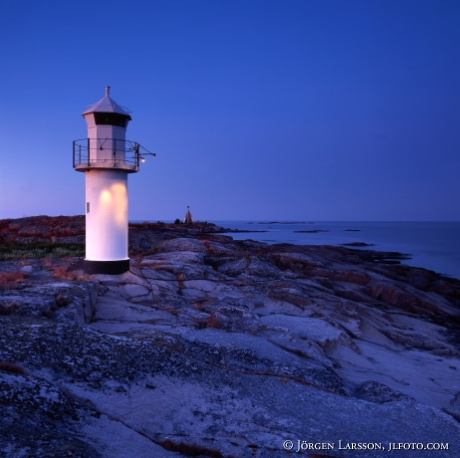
[{"x": 106, "y": 153}]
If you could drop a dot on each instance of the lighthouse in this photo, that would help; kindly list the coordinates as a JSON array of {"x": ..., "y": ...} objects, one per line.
[{"x": 106, "y": 158}]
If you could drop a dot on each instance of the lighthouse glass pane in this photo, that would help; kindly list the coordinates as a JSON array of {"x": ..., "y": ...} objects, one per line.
[{"x": 112, "y": 119}]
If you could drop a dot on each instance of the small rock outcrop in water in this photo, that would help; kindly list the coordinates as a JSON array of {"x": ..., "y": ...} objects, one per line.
[{"x": 219, "y": 348}]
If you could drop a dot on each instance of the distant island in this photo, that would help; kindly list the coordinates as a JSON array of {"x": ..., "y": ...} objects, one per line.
[
  {"x": 283, "y": 222},
  {"x": 313, "y": 231},
  {"x": 358, "y": 244}
]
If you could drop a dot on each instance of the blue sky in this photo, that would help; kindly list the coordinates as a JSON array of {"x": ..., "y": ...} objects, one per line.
[{"x": 294, "y": 110}]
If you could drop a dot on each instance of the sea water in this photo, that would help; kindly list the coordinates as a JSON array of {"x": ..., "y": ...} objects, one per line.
[{"x": 432, "y": 245}]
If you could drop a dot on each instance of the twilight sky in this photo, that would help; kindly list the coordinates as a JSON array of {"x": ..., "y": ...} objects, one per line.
[{"x": 288, "y": 109}]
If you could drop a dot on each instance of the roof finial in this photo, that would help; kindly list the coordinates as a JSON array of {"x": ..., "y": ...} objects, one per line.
[{"x": 107, "y": 91}]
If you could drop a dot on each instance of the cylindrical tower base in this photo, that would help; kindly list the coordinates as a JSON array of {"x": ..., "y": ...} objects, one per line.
[
  {"x": 106, "y": 267},
  {"x": 106, "y": 221}
]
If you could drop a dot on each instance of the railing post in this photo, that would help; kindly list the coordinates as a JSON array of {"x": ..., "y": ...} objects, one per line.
[
  {"x": 89, "y": 151},
  {"x": 114, "y": 151}
]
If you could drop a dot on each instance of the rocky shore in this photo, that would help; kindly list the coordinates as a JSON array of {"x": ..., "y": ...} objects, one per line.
[{"x": 212, "y": 347}]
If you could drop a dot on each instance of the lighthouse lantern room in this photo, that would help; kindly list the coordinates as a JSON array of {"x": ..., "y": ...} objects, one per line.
[{"x": 106, "y": 157}]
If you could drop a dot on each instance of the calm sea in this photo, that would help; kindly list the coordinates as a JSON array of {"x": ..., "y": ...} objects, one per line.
[{"x": 432, "y": 245}]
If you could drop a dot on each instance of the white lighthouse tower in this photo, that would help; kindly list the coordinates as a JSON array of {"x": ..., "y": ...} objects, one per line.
[{"x": 106, "y": 157}]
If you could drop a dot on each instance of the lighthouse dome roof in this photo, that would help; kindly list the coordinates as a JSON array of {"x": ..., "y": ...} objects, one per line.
[{"x": 106, "y": 105}]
